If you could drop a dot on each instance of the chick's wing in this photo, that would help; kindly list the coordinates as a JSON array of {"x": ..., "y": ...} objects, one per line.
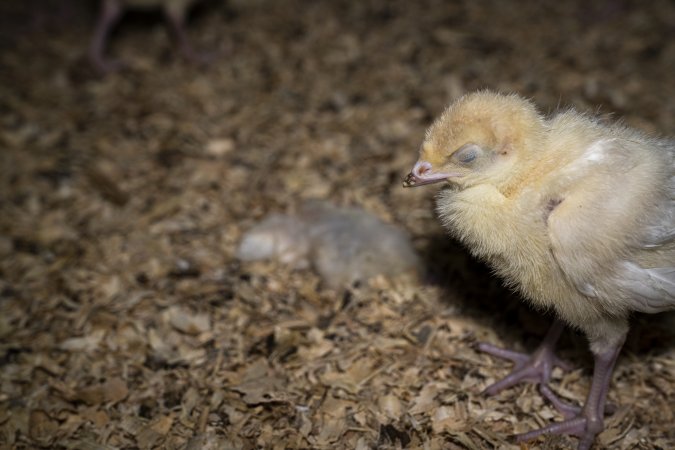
[{"x": 610, "y": 214}]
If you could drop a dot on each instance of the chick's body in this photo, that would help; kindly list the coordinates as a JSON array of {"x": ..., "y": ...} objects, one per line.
[
  {"x": 583, "y": 220},
  {"x": 577, "y": 215}
]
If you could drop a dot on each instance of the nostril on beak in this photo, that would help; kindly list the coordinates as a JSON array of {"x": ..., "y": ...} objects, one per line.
[{"x": 421, "y": 168}]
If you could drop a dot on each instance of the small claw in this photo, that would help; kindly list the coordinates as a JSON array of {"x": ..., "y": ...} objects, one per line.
[
  {"x": 527, "y": 373},
  {"x": 576, "y": 426},
  {"x": 518, "y": 358},
  {"x": 567, "y": 410}
]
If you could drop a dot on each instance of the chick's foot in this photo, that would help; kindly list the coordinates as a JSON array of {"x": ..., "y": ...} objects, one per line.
[
  {"x": 590, "y": 420},
  {"x": 536, "y": 367},
  {"x": 577, "y": 426}
]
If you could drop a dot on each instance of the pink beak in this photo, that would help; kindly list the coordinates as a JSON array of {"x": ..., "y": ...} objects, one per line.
[{"x": 423, "y": 174}]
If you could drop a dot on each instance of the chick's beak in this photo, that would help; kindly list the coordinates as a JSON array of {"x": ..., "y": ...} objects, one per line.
[{"x": 423, "y": 173}]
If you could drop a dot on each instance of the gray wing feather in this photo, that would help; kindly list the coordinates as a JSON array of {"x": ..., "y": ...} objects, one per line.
[
  {"x": 653, "y": 290},
  {"x": 662, "y": 231}
]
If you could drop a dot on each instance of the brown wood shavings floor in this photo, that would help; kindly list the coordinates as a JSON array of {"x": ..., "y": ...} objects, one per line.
[{"x": 126, "y": 322}]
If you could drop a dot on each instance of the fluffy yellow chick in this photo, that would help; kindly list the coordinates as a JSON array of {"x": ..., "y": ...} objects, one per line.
[
  {"x": 112, "y": 10},
  {"x": 577, "y": 215}
]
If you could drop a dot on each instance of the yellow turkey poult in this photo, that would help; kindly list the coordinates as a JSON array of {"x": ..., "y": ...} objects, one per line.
[{"x": 579, "y": 216}]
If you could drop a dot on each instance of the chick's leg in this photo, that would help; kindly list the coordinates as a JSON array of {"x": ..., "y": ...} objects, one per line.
[
  {"x": 536, "y": 367},
  {"x": 589, "y": 422},
  {"x": 111, "y": 11}
]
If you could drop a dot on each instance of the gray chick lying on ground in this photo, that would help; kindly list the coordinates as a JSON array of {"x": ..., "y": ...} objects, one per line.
[{"x": 344, "y": 245}]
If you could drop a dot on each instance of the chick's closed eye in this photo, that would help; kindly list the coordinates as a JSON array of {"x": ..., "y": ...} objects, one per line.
[{"x": 467, "y": 154}]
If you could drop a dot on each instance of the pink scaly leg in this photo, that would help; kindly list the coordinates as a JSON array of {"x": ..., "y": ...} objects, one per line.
[
  {"x": 589, "y": 422},
  {"x": 536, "y": 367}
]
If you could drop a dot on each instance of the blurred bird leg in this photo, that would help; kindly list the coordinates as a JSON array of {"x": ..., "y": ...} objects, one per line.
[
  {"x": 589, "y": 421},
  {"x": 175, "y": 12},
  {"x": 111, "y": 11},
  {"x": 536, "y": 367},
  {"x": 175, "y": 17}
]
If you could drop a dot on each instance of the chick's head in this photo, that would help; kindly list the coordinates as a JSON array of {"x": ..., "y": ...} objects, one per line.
[{"x": 478, "y": 139}]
